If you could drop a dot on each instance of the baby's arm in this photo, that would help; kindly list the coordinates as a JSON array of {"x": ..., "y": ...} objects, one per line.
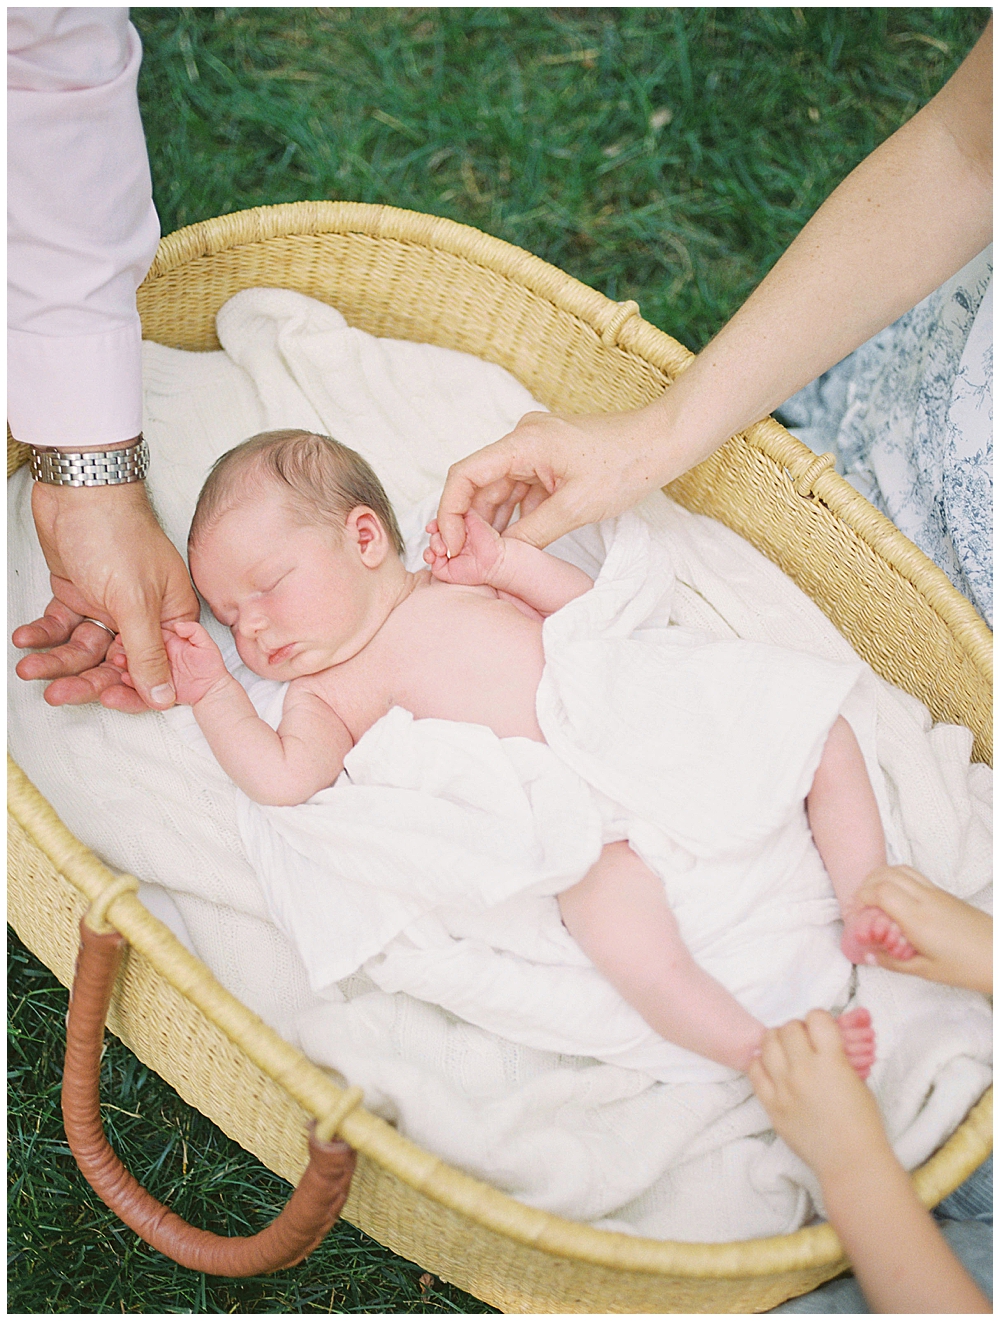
[
  {"x": 512, "y": 568},
  {"x": 825, "y": 1114},
  {"x": 276, "y": 768}
]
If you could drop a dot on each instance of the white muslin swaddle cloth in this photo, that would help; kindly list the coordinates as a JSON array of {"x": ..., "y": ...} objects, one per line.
[{"x": 434, "y": 860}]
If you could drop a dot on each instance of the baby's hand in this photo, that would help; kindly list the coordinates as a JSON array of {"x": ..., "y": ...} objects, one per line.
[
  {"x": 816, "y": 1101},
  {"x": 196, "y": 664},
  {"x": 476, "y": 564},
  {"x": 953, "y": 940}
]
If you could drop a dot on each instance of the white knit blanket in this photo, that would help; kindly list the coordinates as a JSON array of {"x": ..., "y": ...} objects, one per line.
[{"x": 595, "y": 1141}]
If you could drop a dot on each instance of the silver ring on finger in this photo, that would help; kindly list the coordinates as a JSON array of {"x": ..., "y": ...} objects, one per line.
[{"x": 107, "y": 627}]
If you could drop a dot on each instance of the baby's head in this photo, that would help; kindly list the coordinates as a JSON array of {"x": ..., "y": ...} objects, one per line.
[{"x": 295, "y": 546}]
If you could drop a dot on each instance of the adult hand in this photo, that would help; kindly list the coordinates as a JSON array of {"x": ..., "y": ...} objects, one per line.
[
  {"x": 109, "y": 560},
  {"x": 953, "y": 940},
  {"x": 815, "y": 1100},
  {"x": 563, "y": 471}
]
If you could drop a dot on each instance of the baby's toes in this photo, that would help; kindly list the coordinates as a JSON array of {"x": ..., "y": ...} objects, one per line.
[
  {"x": 856, "y": 942},
  {"x": 897, "y": 945},
  {"x": 869, "y": 932},
  {"x": 858, "y": 1039},
  {"x": 854, "y": 1020}
]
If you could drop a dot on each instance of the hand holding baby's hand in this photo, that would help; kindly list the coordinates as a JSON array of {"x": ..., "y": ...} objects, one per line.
[
  {"x": 196, "y": 664},
  {"x": 816, "y": 1101},
  {"x": 477, "y": 562}
]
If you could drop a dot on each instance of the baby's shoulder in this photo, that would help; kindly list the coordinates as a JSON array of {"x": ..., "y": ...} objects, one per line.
[
  {"x": 437, "y": 594},
  {"x": 321, "y": 686}
]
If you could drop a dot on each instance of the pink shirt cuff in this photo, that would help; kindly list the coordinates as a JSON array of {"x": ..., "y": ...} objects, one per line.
[{"x": 75, "y": 390}]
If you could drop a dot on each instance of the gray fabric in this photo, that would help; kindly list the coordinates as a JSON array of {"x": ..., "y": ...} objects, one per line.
[{"x": 972, "y": 1200}]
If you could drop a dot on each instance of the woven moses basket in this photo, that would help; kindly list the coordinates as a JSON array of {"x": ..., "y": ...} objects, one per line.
[{"x": 409, "y": 276}]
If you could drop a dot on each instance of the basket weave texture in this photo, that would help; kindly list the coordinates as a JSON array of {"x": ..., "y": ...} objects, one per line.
[{"x": 417, "y": 277}]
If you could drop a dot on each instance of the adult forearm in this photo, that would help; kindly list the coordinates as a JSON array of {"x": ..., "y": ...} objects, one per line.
[
  {"x": 82, "y": 226},
  {"x": 909, "y": 216},
  {"x": 901, "y": 1261}
]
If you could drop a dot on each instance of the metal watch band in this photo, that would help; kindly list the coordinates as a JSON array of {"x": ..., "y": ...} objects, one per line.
[{"x": 99, "y": 468}]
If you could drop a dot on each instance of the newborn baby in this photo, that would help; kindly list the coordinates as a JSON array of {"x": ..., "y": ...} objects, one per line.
[{"x": 296, "y": 549}]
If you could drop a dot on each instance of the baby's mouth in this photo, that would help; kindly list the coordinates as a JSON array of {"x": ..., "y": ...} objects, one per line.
[{"x": 282, "y": 654}]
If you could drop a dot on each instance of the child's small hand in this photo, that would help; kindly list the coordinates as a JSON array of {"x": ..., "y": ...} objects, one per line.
[
  {"x": 816, "y": 1101},
  {"x": 953, "y": 940},
  {"x": 477, "y": 562},
  {"x": 196, "y": 663}
]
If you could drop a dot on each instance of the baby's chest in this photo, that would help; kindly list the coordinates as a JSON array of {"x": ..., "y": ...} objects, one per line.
[{"x": 453, "y": 664}]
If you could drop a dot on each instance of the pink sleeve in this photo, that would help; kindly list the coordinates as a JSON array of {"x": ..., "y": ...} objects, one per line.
[{"x": 82, "y": 226}]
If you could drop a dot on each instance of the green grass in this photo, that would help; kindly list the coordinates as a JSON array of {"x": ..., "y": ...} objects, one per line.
[
  {"x": 69, "y": 1253},
  {"x": 666, "y": 155}
]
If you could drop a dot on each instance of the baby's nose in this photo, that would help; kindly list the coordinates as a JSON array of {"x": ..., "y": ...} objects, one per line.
[{"x": 249, "y": 624}]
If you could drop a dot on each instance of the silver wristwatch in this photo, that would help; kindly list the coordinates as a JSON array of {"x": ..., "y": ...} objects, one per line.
[{"x": 99, "y": 468}]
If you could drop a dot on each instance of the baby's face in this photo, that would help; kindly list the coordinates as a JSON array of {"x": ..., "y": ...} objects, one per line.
[{"x": 297, "y": 599}]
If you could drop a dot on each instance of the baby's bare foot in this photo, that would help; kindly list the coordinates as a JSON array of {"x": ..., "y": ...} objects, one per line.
[
  {"x": 858, "y": 1038},
  {"x": 868, "y": 932}
]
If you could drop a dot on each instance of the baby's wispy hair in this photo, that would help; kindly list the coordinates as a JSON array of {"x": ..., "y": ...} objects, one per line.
[{"x": 323, "y": 481}]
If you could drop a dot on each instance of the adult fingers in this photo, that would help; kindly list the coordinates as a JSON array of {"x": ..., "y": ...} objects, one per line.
[
  {"x": 551, "y": 519},
  {"x": 54, "y": 627},
  {"x": 532, "y": 498},
  {"x": 86, "y": 648},
  {"x": 503, "y": 512},
  {"x": 142, "y": 638},
  {"x": 466, "y": 486},
  {"x": 489, "y": 499},
  {"x": 120, "y": 697},
  {"x": 78, "y": 689}
]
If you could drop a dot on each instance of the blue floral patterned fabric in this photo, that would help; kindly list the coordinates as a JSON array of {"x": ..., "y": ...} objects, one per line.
[{"x": 909, "y": 416}]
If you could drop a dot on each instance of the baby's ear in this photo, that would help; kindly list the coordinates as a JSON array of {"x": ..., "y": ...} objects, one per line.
[{"x": 364, "y": 529}]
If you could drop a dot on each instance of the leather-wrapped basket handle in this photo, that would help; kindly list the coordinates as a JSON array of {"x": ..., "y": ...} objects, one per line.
[{"x": 307, "y": 1216}]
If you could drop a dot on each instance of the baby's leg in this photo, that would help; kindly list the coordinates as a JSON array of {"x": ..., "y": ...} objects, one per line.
[
  {"x": 619, "y": 916},
  {"x": 844, "y": 819}
]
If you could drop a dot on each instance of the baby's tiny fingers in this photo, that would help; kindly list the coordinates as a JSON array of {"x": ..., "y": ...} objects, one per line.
[{"x": 185, "y": 628}]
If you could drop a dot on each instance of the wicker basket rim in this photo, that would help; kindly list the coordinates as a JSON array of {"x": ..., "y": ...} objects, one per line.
[
  {"x": 308, "y": 1085},
  {"x": 319, "y": 1096}
]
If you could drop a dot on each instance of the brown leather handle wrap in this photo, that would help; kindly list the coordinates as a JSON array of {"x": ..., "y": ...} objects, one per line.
[{"x": 310, "y": 1212}]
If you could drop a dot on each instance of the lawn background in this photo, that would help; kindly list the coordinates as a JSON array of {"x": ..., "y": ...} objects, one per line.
[{"x": 666, "y": 155}]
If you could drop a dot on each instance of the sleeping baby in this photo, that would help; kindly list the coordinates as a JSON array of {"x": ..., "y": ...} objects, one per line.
[{"x": 296, "y": 549}]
